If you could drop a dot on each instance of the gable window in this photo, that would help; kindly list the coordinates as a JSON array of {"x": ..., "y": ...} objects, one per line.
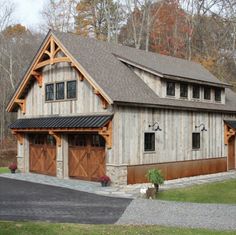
[
  {"x": 217, "y": 94},
  {"x": 196, "y": 140},
  {"x": 196, "y": 92},
  {"x": 60, "y": 91},
  {"x": 149, "y": 141},
  {"x": 183, "y": 90},
  {"x": 49, "y": 90},
  {"x": 71, "y": 89},
  {"x": 207, "y": 93},
  {"x": 170, "y": 88}
]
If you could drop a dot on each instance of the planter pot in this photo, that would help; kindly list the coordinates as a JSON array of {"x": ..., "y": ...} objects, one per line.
[
  {"x": 104, "y": 184},
  {"x": 13, "y": 171}
]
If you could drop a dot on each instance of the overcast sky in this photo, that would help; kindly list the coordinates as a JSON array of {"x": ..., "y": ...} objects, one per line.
[{"x": 27, "y": 12}]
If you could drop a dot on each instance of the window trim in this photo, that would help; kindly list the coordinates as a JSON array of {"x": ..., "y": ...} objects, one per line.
[
  {"x": 184, "y": 84},
  {"x": 76, "y": 87},
  {"x": 199, "y": 91},
  {"x": 174, "y": 93},
  {"x": 45, "y": 92},
  {"x": 196, "y": 148},
  {"x": 215, "y": 90},
  {"x": 149, "y": 151}
]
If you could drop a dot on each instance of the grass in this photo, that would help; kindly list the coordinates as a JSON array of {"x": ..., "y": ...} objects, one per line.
[
  {"x": 36, "y": 228},
  {"x": 4, "y": 170},
  {"x": 220, "y": 192}
]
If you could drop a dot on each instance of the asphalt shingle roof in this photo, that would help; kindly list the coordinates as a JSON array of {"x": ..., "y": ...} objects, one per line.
[{"x": 91, "y": 121}]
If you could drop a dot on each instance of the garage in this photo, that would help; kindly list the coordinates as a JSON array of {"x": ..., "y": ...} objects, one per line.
[
  {"x": 86, "y": 156},
  {"x": 42, "y": 154}
]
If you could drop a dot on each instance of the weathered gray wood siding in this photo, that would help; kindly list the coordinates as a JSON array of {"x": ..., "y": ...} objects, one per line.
[
  {"x": 173, "y": 143},
  {"x": 86, "y": 101}
]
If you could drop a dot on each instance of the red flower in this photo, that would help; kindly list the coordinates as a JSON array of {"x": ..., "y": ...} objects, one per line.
[
  {"x": 12, "y": 166},
  {"x": 104, "y": 178}
]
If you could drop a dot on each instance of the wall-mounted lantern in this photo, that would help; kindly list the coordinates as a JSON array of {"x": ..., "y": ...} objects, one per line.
[
  {"x": 155, "y": 126},
  {"x": 203, "y": 127}
]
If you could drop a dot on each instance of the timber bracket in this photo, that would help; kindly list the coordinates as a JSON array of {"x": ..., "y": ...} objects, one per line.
[
  {"x": 19, "y": 136},
  {"x": 57, "y": 136},
  {"x": 38, "y": 77},
  {"x": 229, "y": 132},
  {"x": 21, "y": 103},
  {"x": 104, "y": 102},
  {"x": 106, "y": 133}
]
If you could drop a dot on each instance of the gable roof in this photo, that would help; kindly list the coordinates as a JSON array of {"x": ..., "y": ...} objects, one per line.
[{"x": 102, "y": 61}]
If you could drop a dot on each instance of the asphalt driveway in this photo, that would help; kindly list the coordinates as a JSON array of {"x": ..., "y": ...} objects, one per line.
[{"x": 20, "y": 200}]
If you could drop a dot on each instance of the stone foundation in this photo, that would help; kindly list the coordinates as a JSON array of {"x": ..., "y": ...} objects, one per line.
[
  {"x": 118, "y": 174},
  {"x": 20, "y": 164},
  {"x": 59, "y": 169}
]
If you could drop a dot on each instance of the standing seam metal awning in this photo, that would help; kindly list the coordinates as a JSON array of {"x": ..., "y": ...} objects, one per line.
[{"x": 91, "y": 121}]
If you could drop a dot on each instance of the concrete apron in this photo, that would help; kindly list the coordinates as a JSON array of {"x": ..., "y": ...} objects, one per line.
[{"x": 122, "y": 191}]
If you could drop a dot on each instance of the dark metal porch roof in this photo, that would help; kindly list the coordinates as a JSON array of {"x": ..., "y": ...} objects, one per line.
[
  {"x": 91, "y": 121},
  {"x": 231, "y": 123}
]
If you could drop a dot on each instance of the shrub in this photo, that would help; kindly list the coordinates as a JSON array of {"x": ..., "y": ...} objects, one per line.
[
  {"x": 155, "y": 176},
  {"x": 12, "y": 166}
]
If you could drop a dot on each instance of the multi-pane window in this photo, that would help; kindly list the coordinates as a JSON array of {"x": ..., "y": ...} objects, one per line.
[
  {"x": 49, "y": 90},
  {"x": 170, "y": 88},
  {"x": 149, "y": 141},
  {"x": 60, "y": 91},
  {"x": 196, "y": 140},
  {"x": 71, "y": 89},
  {"x": 196, "y": 91},
  {"x": 183, "y": 90},
  {"x": 217, "y": 94},
  {"x": 207, "y": 93}
]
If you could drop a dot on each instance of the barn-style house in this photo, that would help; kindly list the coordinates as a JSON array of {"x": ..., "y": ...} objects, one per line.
[{"x": 87, "y": 108}]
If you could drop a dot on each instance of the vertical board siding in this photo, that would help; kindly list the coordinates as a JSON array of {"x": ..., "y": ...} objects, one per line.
[
  {"x": 173, "y": 143},
  {"x": 86, "y": 101}
]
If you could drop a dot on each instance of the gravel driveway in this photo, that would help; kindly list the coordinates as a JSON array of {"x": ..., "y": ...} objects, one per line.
[
  {"x": 21, "y": 200},
  {"x": 194, "y": 215}
]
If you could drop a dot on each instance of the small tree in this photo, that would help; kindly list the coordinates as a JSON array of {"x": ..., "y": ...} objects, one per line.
[{"x": 155, "y": 176}]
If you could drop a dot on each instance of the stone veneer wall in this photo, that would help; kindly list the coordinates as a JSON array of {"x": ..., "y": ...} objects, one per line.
[{"x": 118, "y": 174}]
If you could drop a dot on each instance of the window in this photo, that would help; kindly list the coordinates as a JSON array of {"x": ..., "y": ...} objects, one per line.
[
  {"x": 207, "y": 93},
  {"x": 97, "y": 141},
  {"x": 170, "y": 88},
  {"x": 217, "y": 94},
  {"x": 149, "y": 141},
  {"x": 60, "y": 91},
  {"x": 196, "y": 91},
  {"x": 49, "y": 90},
  {"x": 71, "y": 89},
  {"x": 196, "y": 140},
  {"x": 183, "y": 90}
]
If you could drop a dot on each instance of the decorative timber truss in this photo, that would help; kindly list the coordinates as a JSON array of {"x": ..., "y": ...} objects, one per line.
[
  {"x": 51, "y": 53},
  {"x": 228, "y": 133}
]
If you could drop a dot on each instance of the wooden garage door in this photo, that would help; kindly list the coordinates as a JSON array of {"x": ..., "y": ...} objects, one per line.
[
  {"x": 86, "y": 156},
  {"x": 43, "y": 154}
]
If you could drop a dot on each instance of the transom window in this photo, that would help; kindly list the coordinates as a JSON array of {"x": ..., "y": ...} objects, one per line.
[
  {"x": 207, "y": 93},
  {"x": 149, "y": 141},
  {"x": 49, "y": 90},
  {"x": 196, "y": 91},
  {"x": 196, "y": 140},
  {"x": 57, "y": 91},
  {"x": 170, "y": 88},
  {"x": 183, "y": 90},
  {"x": 60, "y": 91},
  {"x": 217, "y": 94}
]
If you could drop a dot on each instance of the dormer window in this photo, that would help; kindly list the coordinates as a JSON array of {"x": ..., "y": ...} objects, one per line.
[
  {"x": 60, "y": 90},
  {"x": 183, "y": 90},
  {"x": 196, "y": 92},
  {"x": 217, "y": 94},
  {"x": 207, "y": 93},
  {"x": 170, "y": 88}
]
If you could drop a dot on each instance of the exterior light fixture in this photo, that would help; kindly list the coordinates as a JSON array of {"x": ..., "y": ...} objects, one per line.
[
  {"x": 203, "y": 127},
  {"x": 155, "y": 126}
]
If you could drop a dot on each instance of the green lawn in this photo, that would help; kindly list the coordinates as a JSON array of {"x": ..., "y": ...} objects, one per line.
[
  {"x": 4, "y": 170},
  {"x": 221, "y": 192},
  {"x": 30, "y": 228}
]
